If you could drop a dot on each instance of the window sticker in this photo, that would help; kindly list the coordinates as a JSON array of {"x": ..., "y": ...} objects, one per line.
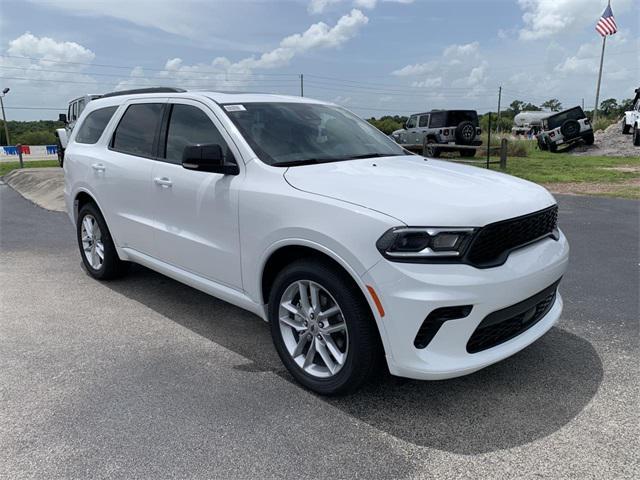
[{"x": 235, "y": 108}]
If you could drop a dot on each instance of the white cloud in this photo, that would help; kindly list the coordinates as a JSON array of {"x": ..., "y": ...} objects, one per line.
[
  {"x": 28, "y": 45},
  {"x": 319, "y": 6},
  {"x": 461, "y": 50},
  {"x": 544, "y": 18},
  {"x": 429, "y": 82},
  {"x": 224, "y": 73}
]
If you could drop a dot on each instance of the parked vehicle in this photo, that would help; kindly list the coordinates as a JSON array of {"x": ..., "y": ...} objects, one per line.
[
  {"x": 528, "y": 122},
  {"x": 76, "y": 106},
  {"x": 565, "y": 128},
  {"x": 304, "y": 214},
  {"x": 631, "y": 120},
  {"x": 441, "y": 130}
]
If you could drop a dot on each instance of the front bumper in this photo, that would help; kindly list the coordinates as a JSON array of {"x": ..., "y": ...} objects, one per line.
[{"x": 409, "y": 292}]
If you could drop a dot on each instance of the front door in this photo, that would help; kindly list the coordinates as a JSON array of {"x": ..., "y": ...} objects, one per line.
[{"x": 196, "y": 213}]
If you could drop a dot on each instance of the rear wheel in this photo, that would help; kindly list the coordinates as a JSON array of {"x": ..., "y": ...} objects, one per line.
[
  {"x": 97, "y": 249},
  {"x": 625, "y": 128},
  {"x": 552, "y": 147},
  {"x": 322, "y": 328},
  {"x": 636, "y": 135}
]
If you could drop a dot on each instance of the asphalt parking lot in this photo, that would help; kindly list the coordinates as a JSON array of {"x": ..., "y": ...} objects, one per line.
[{"x": 146, "y": 378}]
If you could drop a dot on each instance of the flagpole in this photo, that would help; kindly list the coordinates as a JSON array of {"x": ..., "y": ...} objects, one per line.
[{"x": 595, "y": 108}]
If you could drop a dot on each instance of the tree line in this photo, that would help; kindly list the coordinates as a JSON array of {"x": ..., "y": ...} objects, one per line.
[{"x": 38, "y": 132}]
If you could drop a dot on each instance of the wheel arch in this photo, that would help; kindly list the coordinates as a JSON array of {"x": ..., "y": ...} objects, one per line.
[{"x": 282, "y": 255}]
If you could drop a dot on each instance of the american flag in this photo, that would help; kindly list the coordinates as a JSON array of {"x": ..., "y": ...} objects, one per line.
[{"x": 607, "y": 23}]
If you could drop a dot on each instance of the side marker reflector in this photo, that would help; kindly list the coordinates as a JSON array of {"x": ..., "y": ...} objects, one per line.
[{"x": 376, "y": 300}]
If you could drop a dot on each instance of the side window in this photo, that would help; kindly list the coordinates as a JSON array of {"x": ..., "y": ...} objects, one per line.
[
  {"x": 94, "y": 124},
  {"x": 424, "y": 121},
  {"x": 80, "y": 106},
  {"x": 412, "y": 121},
  {"x": 136, "y": 132},
  {"x": 438, "y": 120},
  {"x": 188, "y": 125}
]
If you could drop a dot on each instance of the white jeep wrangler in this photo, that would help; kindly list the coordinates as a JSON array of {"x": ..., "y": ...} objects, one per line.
[
  {"x": 565, "y": 128},
  {"x": 76, "y": 106},
  {"x": 631, "y": 120}
]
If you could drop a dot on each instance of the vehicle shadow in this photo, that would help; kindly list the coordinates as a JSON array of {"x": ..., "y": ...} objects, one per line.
[{"x": 526, "y": 397}]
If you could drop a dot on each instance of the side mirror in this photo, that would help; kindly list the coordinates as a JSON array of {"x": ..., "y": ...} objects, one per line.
[
  {"x": 207, "y": 158},
  {"x": 62, "y": 118}
]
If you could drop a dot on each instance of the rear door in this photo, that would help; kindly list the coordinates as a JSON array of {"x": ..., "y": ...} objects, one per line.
[
  {"x": 196, "y": 212},
  {"x": 412, "y": 130},
  {"x": 123, "y": 174}
]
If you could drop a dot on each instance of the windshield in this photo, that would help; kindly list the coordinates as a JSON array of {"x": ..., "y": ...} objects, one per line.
[
  {"x": 556, "y": 121},
  {"x": 289, "y": 134}
]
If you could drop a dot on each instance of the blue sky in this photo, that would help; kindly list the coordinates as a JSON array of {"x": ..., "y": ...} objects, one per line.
[{"x": 373, "y": 56}]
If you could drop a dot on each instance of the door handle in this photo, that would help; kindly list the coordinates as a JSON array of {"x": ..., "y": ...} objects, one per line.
[
  {"x": 98, "y": 167},
  {"x": 164, "y": 182}
]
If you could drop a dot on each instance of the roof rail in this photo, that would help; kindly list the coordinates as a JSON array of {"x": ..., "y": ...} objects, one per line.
[{"x": 144, "y": 90}]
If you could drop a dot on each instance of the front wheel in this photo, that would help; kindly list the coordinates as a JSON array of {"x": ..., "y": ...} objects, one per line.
[
  {"x": 625, "y": 128},
  {"x": 636, "y": 135},
  {"x": 97, "y": 249},
  {"x": 429, "y": 149},
  {"x": 322, "y": 328},
  {"x": 589, "y": 139}
]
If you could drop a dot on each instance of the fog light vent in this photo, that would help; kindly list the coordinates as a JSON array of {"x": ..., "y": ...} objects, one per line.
[{"x": 434, "y": 321}]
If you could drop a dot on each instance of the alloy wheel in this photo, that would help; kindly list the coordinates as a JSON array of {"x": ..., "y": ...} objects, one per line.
[
  {"x": 313, "y": 329},
  {"x": 92, "y": 244}
]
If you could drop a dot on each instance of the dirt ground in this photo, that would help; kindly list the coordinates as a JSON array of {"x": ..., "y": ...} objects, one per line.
[{"x": 610, "y": 143}]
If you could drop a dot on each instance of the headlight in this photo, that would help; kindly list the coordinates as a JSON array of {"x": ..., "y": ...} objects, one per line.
[{"x": 422, "y": 244}]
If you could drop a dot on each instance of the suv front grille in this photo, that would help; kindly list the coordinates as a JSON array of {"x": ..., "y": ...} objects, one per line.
[
  {"x": 503, "y": 325},
  {"x": 492, "y": 243}
]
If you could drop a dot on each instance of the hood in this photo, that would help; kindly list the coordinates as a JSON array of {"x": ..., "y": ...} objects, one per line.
[{"x": 421, "y": 192}]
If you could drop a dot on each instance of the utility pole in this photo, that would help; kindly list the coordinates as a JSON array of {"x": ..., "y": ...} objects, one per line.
[
  {"x": 302, "y": 85},
  {"x": 499, "y": 100},
  {"x": 4, "y": 118},
  {"x": 595, "y": 109}
]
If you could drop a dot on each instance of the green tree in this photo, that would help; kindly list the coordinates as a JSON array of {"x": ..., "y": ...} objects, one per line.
[
  {"x": 625, "y": 105},
  {"x": 516, "y": 106},
  {"x": 609, "y": 106},
  {"x": 553, "y": 104}
]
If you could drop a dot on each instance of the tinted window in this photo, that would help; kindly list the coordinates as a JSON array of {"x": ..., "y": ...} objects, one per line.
[
  {"x": 438, "y": 120},
  {"x": 191, "y": 126},
  {"x": 458, "y": 116},
  {"x": 137, "y": 129},
  {"x": 412, "y": 122},
  {"x": 424, "y": 121},
  {"x": 94, "y": 124}
]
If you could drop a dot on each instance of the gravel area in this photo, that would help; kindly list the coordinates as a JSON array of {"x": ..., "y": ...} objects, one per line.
[{"x": 610, "y": 143}]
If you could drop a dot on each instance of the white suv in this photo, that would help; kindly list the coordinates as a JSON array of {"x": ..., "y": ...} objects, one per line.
[{"x": 307, "y": 216}]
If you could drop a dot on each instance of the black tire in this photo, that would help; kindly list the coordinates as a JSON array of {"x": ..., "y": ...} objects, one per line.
[
  {"x": 112, "y": 266},
  {"x": 625, "y": 128},
  {"x": 364, "y": 348},
  {"x": 60, "y": 152},
  {"x": 570, "y": 129},
  {"x": 553, "y": 148},
  {"x": 636, "y": 135},
  {"x": 589, "y": 139},
  {"x": 468, "y": 152},
  {"x": 429, "y": 148},
  {"x": 465, "y": 133}
]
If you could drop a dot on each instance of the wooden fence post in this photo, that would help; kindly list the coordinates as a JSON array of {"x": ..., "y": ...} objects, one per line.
[
  {"x": 19, "y": 149},
  {"x": 503, "y": 153}
]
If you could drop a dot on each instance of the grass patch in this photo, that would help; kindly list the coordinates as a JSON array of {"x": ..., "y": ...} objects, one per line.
[
  {"x": 6, "y": 167},
  {"x": 545, "y": 167}
]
